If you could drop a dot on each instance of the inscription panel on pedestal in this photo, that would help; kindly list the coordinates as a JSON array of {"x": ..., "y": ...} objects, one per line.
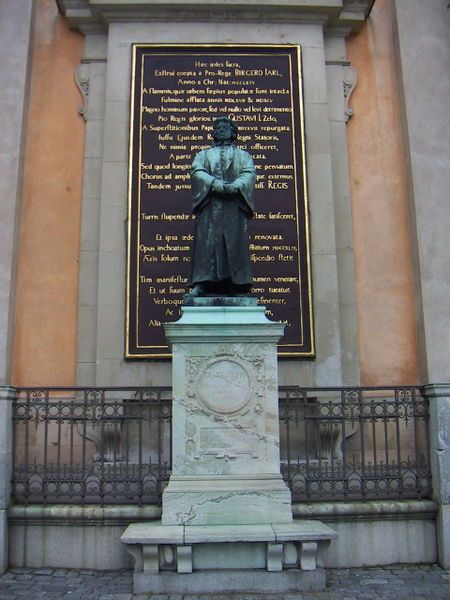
[
  {"x": 177, "y": 92},
  {"x": 227, "y": 443}
]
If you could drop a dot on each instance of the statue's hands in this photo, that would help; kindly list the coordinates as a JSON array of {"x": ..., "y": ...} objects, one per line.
[
  {"x": 231, "y": 188},
  {"x": 218, "y": 186},
  {"x": 221, "y": 187}
]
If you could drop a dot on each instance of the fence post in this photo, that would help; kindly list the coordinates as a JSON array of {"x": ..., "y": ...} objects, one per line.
[
  {"x": 438, "y": 395},
  {"x": 7, "y": 394}
]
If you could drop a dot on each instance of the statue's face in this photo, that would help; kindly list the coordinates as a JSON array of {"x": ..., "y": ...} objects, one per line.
[{"x": 223, "y": 132}]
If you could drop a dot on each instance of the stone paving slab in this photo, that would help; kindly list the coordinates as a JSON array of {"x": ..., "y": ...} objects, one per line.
[{"x": 396, "y": 582}]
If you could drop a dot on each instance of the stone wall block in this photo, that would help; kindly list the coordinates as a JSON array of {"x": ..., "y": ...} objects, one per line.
[
  {"x": 95, "y": 47},
  {"x": 6, "y": 396},
  {"x": 92, "y": 174},
  {"x": 87, "y": 295},
  {"x": 86, "y": 335},
  {"x": 114, "y": 222},
  {"x": 97, "y": 83},
  {"x": 90, "y": 226},
  {"x": 116, "y": 132},
  {"x": 440, "y": 446},
  {"x": 317, "y": 129},
  {"x": 313, "y": 60},
  {"x": 439, "y": 403},
  {"x": 86, "y": 372},
  {"x": 112, "y": 268},
  {"x": 94, "y": 140},
  {"x": 324, "y": 274},
  {"x": 320, "y": 182},
  {"x": 114, "y": 183},
  {"x": 111, "y": 344},
  {"x": 322, "y": 230},
  {"x": 441, "y": 460},
  {"x": 328, "y": 367},
  {"x": 443, "y": 418}
]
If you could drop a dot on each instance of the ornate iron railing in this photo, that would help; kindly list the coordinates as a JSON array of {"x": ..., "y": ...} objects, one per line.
[
  {"x": 111, "y": 445},
  {"x": 82, "y": 445},
  {"x": 355, "y": 443}
]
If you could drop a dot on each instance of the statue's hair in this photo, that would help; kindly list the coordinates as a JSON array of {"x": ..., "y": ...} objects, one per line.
[{"x": 222, "y": 119}]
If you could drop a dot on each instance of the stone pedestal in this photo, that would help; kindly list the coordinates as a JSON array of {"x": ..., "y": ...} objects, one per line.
[
  {"x": 227, "y": 516},
  {"x": 225, "y": 431}
]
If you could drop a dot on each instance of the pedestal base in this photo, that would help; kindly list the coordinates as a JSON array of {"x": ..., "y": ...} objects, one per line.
[
  {"x": 227, "y": 518},
  {"x": 237, "y": 558},
  {"x": 209, "y": 582},
  {"x": 226, "y": 501}
]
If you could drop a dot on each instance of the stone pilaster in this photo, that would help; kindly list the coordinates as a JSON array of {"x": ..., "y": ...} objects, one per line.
[
  {"x": 439, "y": 399},
  {"x": 423, "y": 73},
  {"x": 423, "y": 67},
  {"x": 15, "y": 36},
  {"x": 7, "y": 394},
  {"x": 16, "y": 21}
]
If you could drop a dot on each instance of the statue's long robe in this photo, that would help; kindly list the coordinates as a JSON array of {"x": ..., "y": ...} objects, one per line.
[{"x": 220, "y": 249}]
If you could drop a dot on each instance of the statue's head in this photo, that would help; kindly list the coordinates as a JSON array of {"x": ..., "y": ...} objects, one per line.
[{"x": 224, "y": 129}]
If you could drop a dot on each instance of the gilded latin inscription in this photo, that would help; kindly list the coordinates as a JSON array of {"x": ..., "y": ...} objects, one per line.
[{"x": 177, "y": 93}]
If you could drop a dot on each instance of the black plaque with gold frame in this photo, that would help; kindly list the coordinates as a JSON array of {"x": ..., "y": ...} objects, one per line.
[{"x": 177, "y": 91}]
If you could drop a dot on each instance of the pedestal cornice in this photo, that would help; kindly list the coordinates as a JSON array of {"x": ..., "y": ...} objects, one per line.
[{"x": 216, "y": 323}]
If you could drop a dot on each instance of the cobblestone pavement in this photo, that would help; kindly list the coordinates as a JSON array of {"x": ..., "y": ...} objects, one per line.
[{"x": 417, "y": 582}]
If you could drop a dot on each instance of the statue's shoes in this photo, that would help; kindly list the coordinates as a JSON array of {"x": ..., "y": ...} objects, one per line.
[{"x": 197, "y": 290}]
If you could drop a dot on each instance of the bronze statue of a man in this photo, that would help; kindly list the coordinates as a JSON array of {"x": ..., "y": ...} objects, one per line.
[{"x": 223, "y": 179}]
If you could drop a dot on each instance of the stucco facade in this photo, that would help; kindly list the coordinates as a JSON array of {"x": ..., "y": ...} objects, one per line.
[{"x": 377, "y": 130}]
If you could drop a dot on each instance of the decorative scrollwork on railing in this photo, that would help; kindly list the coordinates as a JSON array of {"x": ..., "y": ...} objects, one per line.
[
  {"x": 107, "y": 445},
  {"x": 354, "y": 443}
]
